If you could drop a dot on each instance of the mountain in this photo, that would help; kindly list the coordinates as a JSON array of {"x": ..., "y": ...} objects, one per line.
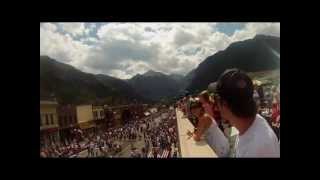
[
  {"x": 152, "y": 73},
  {"x": 156, "y": 85},
  {"x": 260, "y": 53},
  {"x": 70, "y": 85},
  {"x": 120, "y": 86},
  {"x": 187, "y": 79},
  {"x": 176, "y": 77}
]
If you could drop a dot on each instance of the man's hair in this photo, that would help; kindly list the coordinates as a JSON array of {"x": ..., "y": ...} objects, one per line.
[{"x": 236, "y": 89}]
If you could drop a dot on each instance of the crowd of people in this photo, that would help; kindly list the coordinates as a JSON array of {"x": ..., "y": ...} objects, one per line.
[
  {"x": 158, "y": 135},
  {"x": 161, "y": 139},
  {"x": 96, "y": 144},
  {"x": 268, "y": 104},
  {"x": 234, "y": 101}
]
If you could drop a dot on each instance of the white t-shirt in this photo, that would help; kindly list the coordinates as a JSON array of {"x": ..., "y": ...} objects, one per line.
[
  {"x": 217, "y": 141},
  {"x": 258, "y": 141}
]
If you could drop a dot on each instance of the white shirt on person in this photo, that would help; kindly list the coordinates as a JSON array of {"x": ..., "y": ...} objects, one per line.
[
  {"x": 216, "y": 139},
  {"x": 259, "y": 140}
]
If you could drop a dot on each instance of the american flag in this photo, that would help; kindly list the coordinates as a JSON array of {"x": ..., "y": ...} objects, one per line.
[
  {"x": 150, "y": 155},
  {"x": 164, "y": 154}
]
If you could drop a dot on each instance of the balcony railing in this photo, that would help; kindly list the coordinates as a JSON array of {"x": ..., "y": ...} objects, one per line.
[{"x": 188, "y": 146}]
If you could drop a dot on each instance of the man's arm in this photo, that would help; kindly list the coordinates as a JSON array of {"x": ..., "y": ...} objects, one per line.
[
  {"x": 214, "y": 136},
  {"x": 202, "y": 126},
  {"x": 217, "y": 140}
]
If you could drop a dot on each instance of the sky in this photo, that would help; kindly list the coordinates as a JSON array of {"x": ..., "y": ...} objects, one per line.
[{"x": 123, "y": 50}]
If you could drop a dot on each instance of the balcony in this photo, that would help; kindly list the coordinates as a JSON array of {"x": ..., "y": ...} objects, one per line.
[{"x": 189, "y": 147}]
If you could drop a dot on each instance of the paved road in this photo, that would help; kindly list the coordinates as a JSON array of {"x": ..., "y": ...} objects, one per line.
[{"x": 126, "y": 150}]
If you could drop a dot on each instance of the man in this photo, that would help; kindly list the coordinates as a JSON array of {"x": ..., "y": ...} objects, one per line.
[{"x": 234, "y": 97}]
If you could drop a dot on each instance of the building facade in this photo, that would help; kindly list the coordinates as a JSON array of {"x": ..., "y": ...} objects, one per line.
[
  {"x": 67, "y": 118},
  {"x": 85, "y": 118},
  {"x": 99, "y": 116},
  {"x": 49, "y": 127},
  {"x": 109, "y": 118},
  {"x": 120, "y": 115}
]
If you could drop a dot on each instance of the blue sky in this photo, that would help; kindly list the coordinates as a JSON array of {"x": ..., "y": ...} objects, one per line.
[
  {"x": 124, "y": 49},
  {"x": 229, "y": 28}
]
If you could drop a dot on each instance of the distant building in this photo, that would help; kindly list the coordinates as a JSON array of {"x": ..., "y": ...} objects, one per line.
[
  {"x": 120, "y": 115},
  {"x": 98, "y": 115},
  {"x": 85, "y": 118},
  {"x": 67, "y": 116},
  {"x": 109, "y": 121},
  {"x": 49, "y": 127}
]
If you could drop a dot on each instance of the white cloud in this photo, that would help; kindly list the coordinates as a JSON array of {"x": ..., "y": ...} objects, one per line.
[
  {"x": 89, "y": 40},
  {"x": 75, "y": 29},
  {"x": 125, "y": 49},
  {"x": 62, "y": 46},
  {"x": 48, "y": 26},
  {"x": 252, "y": 29},
  {"x": 120, "y": 74},
  {"x": 181, "y": 38}
]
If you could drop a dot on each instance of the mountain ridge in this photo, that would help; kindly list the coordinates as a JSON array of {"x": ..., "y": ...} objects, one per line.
[
  {"x": 251, "y": 55},
  {"x": 72, "y": 85}
]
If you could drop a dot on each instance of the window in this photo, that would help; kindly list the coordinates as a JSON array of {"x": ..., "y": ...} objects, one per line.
[
  {"x": 47, "y": 119},
  {"x": 70, "y": 119},
  {"x": 51, "y": 117},
  {"x": 95, "y": 114},
  {"x": 101, "y": 114}
]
